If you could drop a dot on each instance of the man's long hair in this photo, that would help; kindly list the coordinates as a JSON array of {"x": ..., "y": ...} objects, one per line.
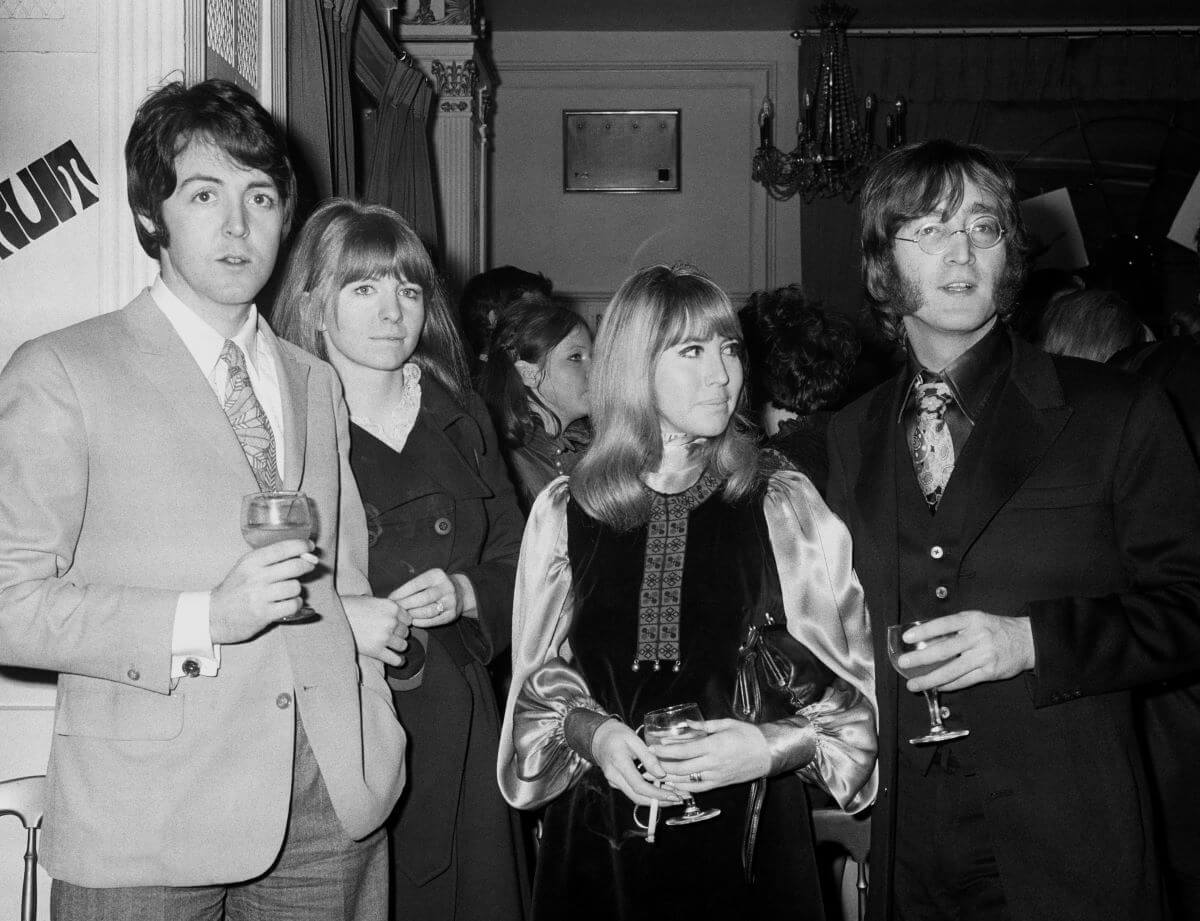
[{"x": 924, "y": 179}]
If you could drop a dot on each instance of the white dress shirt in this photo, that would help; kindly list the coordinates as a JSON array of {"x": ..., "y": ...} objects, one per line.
[{"x": 192, "y": 636}]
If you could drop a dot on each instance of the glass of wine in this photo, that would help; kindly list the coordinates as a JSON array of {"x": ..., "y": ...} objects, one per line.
[
  {"x": 896, "y": 647},
  {"x": 670, "y": 726},
  {"x": 269, "y": 517}
]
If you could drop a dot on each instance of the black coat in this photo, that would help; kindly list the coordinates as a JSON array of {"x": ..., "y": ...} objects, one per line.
[
  {"x": 1085, "y": 516},
  {"x": 446, "y": 502}
]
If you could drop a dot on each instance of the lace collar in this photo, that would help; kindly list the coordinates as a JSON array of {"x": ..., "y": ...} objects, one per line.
[{"x": 395, "y": 429}]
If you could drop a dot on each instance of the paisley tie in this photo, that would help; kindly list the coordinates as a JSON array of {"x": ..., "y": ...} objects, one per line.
[
  {"x": 932, "y": 448},
  {"x": 248, "y": 419}
]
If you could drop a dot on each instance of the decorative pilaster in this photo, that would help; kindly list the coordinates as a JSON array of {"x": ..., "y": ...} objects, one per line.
[
  {"x": 141, "y": 46},
  {"x": 444, "y": 38}
]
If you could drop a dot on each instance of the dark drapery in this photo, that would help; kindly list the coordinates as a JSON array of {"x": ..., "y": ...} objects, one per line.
[
  {"x": 320, "y": 113},
  {"x": 1136, "y": 97},
  {"x": 399, "y": 172}
]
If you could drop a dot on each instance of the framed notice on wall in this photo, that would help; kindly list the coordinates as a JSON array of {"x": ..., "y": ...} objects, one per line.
[
  {"x": 242, "y": 41},
  {"x": 625, "y": 150}
]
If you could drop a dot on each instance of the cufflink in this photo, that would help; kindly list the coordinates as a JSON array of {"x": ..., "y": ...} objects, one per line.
[{"x": 191, "y": 668}]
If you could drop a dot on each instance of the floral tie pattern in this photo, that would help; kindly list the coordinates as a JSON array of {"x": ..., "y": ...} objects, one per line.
[
  {"x": 932, "y": 448},
  {"x": 248, "y": 419}
]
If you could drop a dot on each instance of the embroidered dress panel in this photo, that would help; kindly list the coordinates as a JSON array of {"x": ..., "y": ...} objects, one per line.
[
  {"x": 248, "y": 419},
  {"x": 932, "y": 447},
  {"x": 662, "y": 574}
]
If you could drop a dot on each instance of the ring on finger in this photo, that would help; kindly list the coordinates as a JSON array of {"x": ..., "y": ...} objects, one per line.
[
  {"x": 441, "y": 608},
  {"x": 694, "y": 777}
]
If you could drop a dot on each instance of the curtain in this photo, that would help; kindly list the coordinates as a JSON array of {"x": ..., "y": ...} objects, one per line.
[
  {"x": 399, "y": 169},
  {"x": 320, "y": 113},
  {"x": 1043, "y": 68}
]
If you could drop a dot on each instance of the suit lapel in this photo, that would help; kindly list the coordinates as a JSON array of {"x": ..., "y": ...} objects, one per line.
[
  {"x": 293, "y": 392},
  {"x": 169, "y": 367},
  {"x": 1029, "y": 417},
  {"x": 875, "y": 491}
]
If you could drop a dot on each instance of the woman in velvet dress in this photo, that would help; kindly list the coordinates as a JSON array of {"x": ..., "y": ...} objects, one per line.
[
  {"x": 444, "y": 531},
  {"x": 535, "y": 383},
  {"x": 638, "y": 577}
]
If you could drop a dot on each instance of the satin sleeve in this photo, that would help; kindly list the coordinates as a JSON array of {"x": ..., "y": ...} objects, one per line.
[
  {"x": 826, "y": 611},
  {"x": 535, "y": 764}
]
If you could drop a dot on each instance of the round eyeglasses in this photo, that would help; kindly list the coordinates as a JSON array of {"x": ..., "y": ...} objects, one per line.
[{"x": 983, "y": 232}]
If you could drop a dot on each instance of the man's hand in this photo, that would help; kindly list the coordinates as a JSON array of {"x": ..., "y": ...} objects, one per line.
[
  {"x": 263, "y": 586},
  {"x": 380, "y": 627},
  {"x": 973, "y": 646}
]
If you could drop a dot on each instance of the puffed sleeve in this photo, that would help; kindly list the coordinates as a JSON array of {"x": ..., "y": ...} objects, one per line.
[
  {"x": 825, "y": 610},
  {"x": 536, "y": 764}
]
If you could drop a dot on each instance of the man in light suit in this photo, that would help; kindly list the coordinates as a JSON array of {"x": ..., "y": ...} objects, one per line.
[
  {"x": 1041, "y": 515},
  {"x": 207, "y": 758}
]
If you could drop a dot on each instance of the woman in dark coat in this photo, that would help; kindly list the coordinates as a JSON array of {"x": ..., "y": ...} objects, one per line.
[{"x": 444, "y": 532}]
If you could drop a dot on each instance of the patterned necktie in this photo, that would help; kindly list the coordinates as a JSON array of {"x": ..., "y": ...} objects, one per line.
[
  {"x": 248, "y": 419},
  {"x": 931, "y": 446}
]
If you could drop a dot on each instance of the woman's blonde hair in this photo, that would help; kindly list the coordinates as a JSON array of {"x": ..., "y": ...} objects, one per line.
[
  {"x": 653, "y": 310},
  {"x": 346, "y": 241}
]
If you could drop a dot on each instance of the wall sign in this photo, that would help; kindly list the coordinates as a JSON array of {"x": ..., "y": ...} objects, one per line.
[
  {"x": 57, "y": 187},
  {"x": 629, "y": 150}
]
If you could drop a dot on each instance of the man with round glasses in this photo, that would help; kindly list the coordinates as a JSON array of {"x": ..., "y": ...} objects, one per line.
[{"x": 1040, "y": 516}]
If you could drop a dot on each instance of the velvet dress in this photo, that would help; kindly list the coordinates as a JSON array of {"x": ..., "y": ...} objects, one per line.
[
  {"x": 445, "y": 501},
  {"x": 578, "y": 629}
]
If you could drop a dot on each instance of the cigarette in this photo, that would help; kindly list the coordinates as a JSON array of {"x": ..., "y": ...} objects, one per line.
[{"x": 652, "y": 822}]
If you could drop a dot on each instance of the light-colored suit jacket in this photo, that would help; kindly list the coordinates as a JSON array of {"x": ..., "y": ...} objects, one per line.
[{"x": 121, "y": 487}]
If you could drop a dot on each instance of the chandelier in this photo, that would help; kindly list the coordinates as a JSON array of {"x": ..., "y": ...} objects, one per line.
[{"x": 834, "y": 146}]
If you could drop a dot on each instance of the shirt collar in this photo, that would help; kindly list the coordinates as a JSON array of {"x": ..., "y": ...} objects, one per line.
[
  {"x": 204, "y": 342},
  {"x": 973, "y": 374}
]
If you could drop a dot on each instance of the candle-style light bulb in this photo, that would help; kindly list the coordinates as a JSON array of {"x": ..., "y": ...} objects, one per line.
[{"x": 765, "y": 113}]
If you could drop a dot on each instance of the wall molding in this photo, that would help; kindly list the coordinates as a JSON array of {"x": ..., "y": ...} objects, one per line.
[
  {"x": 763, "y": 77},
  {"x": 141, "y": 45}
]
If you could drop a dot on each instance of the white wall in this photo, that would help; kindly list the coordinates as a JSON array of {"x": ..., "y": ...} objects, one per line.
[
  {"x": 48, "y": 69},
  {"x": 587, "y": 243},
  {"x": 70, "y": 71}
]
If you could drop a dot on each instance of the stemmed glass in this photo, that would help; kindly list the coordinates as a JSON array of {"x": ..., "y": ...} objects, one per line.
[
  {"x": 670, "y": 726},
  {"x": 269, "y": 517},
  {"x": 896, "y": 647}
]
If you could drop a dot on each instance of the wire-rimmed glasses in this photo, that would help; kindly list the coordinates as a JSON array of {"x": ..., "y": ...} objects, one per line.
[{"x": 984, "y": 232}]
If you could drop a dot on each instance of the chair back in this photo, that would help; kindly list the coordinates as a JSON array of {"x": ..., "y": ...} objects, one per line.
[
  {"x": 851, "y": 836},
  {"x": 24, "y": 797}
]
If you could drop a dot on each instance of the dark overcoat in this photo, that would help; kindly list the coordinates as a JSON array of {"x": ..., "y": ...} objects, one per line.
[
  {"x": 1084, "y": 515},
  {"x": 446, "y": 502}
]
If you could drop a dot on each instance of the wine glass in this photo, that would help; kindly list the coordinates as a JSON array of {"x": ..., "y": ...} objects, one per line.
[
  {"x": 896, "y": 646},
  {"x": 670, "y": 726},
  {"x": 269, "y": 517}
]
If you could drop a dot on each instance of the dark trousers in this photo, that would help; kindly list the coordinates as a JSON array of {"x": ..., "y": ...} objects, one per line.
[
  {"x": 945, "y": 866},
  {"x": 321, "y": 874}
]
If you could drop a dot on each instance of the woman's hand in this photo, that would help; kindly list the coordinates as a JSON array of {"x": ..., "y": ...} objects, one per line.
[
  {"x": 732, "y": 752},
  {"x": 432, "y": 598},
  {"x": 616, "y": 749},
  {"x": 380, "y": 627}
]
